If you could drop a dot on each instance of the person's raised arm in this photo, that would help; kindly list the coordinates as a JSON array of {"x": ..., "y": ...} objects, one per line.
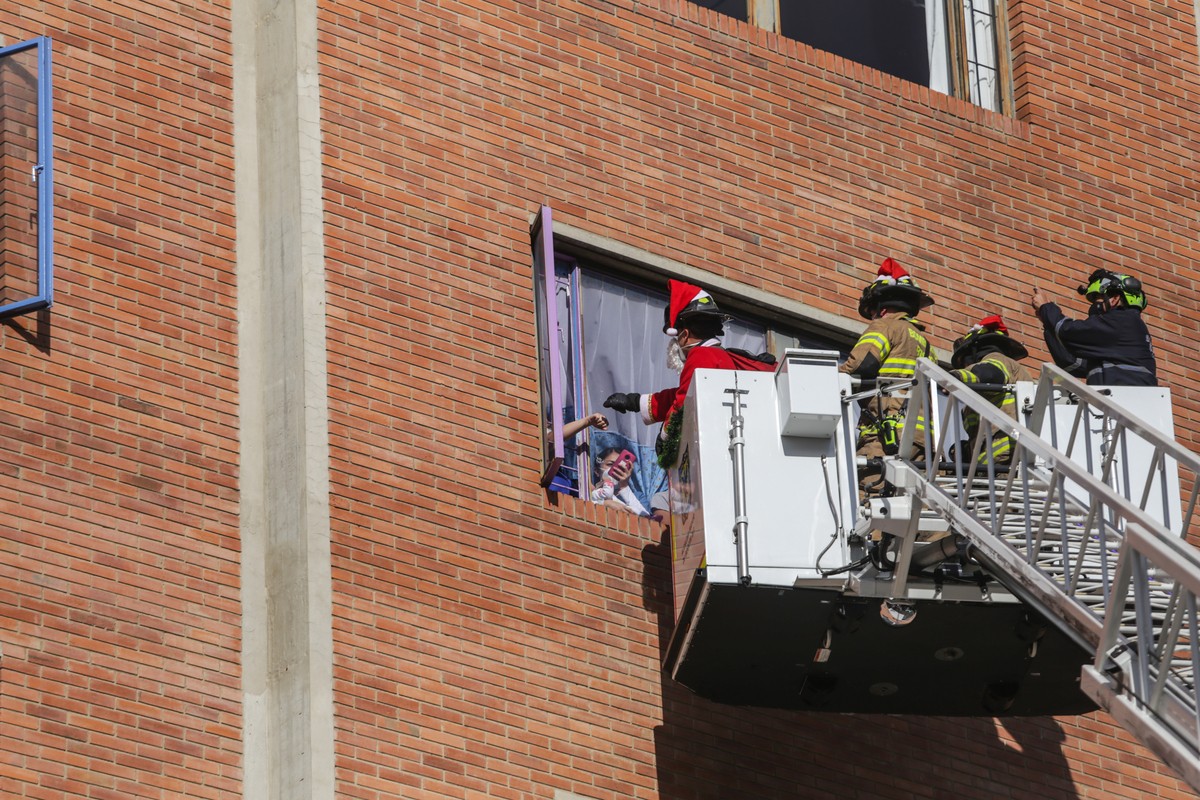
[{"x": 574, "y": 427}]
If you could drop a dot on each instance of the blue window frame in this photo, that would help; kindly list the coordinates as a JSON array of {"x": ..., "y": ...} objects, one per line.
[{"x": 26, "y": 179}]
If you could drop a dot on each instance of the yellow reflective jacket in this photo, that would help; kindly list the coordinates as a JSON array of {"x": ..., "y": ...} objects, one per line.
[
  {"x": 896, "y": 342},
  {"x": 994, "y": 368}
]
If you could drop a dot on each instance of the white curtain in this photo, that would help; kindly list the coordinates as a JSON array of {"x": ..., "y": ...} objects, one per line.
[
  {"x": 625, "y": 350},
  {"x": 935, "y": 39}
]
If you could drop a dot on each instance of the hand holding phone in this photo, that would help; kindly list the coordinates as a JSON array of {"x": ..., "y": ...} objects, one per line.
[{"x": 624, "y": 462}]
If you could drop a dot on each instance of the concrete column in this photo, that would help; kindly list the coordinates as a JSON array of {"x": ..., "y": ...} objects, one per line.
[{"x": 287, "y": 647}]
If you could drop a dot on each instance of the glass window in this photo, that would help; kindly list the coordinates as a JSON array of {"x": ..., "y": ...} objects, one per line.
[
  {"x": 26, "y": 178},
  {"x": 550, "y": 368},
  {"x": 608, "y": 338},
  {"x": 958, "y": 47},
  {"x": 982, "y": 57},
  {"x": 885, "y": 34}
]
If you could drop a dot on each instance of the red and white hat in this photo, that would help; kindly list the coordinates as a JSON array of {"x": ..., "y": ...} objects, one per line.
[
  {"x": 890, "y": 272},
  {"x": 685, "y": 300},
  {"x": 893, "y": 287},
  {"x": 989, "y": 333}
]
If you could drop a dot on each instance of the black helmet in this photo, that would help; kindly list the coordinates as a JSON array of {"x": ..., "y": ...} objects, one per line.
[
  {"x": 990, "y": 333},
  {"x": 894, "y": 288},
  {"x": 690, "y": 306}
]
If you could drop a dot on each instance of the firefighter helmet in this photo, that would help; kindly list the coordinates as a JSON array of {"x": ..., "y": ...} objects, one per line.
[
  {"x": 688, "y": 304},
  {"x": 991, "y": 333},
  {"x": 1106, "y": 283},
  {"x": 893, "y": 287}
]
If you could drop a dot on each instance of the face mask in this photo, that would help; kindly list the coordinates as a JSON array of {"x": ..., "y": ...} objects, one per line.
[
  {"x": 1098, "y": 307},
  {"x": 675, "y": 355}
]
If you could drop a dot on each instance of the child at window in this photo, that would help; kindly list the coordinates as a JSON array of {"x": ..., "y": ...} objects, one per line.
[{"x": 611, "y": 480}]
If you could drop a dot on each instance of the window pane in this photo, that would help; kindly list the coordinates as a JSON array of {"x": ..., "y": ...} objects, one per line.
[
  {"x": 624, "y": 350},
  {"x": 889, "y": 35},
  {"x": 18, "y": 179},
  {"x": 985, "y": 92},
  {"x": 748, "y": 336},
  {"x": 937, "y": 36},
  {"x": 984, "y": 34},
  {"x": 982, "y": 57},
  {"x": 565, "y": 281},
  {"x": 549, "y": 364},
  {"x": 734, "y": 8}
]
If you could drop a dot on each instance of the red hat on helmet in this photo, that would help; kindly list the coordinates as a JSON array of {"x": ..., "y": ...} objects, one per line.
[
  {"x": 686, "y": 301},
  {"x": 890, "y": 271},
  {"x": 990, "y": 334},
  {"x": 893, "y": 287}
]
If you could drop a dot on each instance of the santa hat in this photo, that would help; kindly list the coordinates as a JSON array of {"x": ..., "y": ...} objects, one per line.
[
  {"x": 685, "y": 299},
  {"x": 892, "y": 287},
  {"x": 890, "y": 271},
  {"x": 990, "y": 332},
  {"x": 993, "y": 324}
]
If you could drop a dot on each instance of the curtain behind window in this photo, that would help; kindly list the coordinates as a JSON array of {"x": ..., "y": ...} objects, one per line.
[{"x": 625, "y": 350}]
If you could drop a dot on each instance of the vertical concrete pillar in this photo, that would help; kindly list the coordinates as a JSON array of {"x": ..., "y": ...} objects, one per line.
[{"x": 284, "y": 440}]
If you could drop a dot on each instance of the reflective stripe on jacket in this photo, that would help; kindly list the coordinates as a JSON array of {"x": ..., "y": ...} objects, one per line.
[
  {"x": 993, "y": 368},
  {"x": 895, "y": 342}
]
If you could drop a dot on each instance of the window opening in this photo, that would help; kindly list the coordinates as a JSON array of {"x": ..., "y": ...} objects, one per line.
[
  {"x": 624, "y": 349},
  {"x": 26, "y": 178},
  {"x": 983, "y": 63},
  {"x": 608, "y": 338},
  {"x": 738, "y": 9},
  {"x": 887, "y": 35},
  {"x": 952, "y": 46}
]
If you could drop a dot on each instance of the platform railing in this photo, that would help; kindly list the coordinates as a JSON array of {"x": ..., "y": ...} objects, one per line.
[
  {"x": 1095, "y": 408},
  {"x": 1118, "y": 581}
]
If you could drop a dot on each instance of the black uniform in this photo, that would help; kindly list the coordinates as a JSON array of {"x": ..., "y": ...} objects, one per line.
[{"x": 1110, "y": 348}]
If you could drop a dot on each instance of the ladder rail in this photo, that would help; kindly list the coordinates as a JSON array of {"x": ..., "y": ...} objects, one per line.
[
  {"x": 1121, "y": 583},
  {"x": 1055, "y": 382},
  {"x": 1148, "y": 682}
]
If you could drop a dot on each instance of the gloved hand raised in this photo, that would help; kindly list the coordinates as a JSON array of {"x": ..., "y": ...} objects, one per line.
[{"x": 624, "y": 401}]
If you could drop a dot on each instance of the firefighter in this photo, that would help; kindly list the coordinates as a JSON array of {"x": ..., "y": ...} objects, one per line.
[
  {"x": 987, "y": 354},
  {"x": 1112, "y": 346},
  {"x": 695, "y": 326},
  {"x": 888, "y": 351}
]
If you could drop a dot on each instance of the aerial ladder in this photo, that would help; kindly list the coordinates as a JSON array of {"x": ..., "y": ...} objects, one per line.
[{"x": 1056, "y": 583}]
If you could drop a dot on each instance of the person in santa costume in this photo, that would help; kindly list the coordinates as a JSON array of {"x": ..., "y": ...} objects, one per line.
[
  {"x": 887, "y": 351},
  {"x": 695, "y": 326}
]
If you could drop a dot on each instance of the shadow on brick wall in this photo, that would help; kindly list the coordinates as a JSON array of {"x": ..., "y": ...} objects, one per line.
[
  {"x": 705, "y": 750},
  {"x": 37, "y": 334}
]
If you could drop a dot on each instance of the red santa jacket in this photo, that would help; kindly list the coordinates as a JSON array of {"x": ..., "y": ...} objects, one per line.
[{"x": 660, "y": 405}]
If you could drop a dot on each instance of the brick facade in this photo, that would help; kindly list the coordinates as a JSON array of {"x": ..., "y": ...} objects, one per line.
[{"x": 488, "y": 641}]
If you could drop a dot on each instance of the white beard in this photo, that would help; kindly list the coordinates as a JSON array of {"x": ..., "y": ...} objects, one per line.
[{"x": 675, "y": 355}]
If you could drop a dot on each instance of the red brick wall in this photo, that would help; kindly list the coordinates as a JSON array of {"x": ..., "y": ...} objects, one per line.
[
  {"x": 492, "y": 644},
  {"x": 488, "y": 642},
  {"x": 119, "y": 616}
]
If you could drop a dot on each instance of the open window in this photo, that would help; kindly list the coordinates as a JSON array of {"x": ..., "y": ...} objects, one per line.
[
  {"x": 958, "y": 47},
  {"x": 599, "y": 332},
  {"x": 26, "y": 179}
]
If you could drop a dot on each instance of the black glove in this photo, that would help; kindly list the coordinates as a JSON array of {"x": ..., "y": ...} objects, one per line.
[{"x": 624, "y": 401}]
